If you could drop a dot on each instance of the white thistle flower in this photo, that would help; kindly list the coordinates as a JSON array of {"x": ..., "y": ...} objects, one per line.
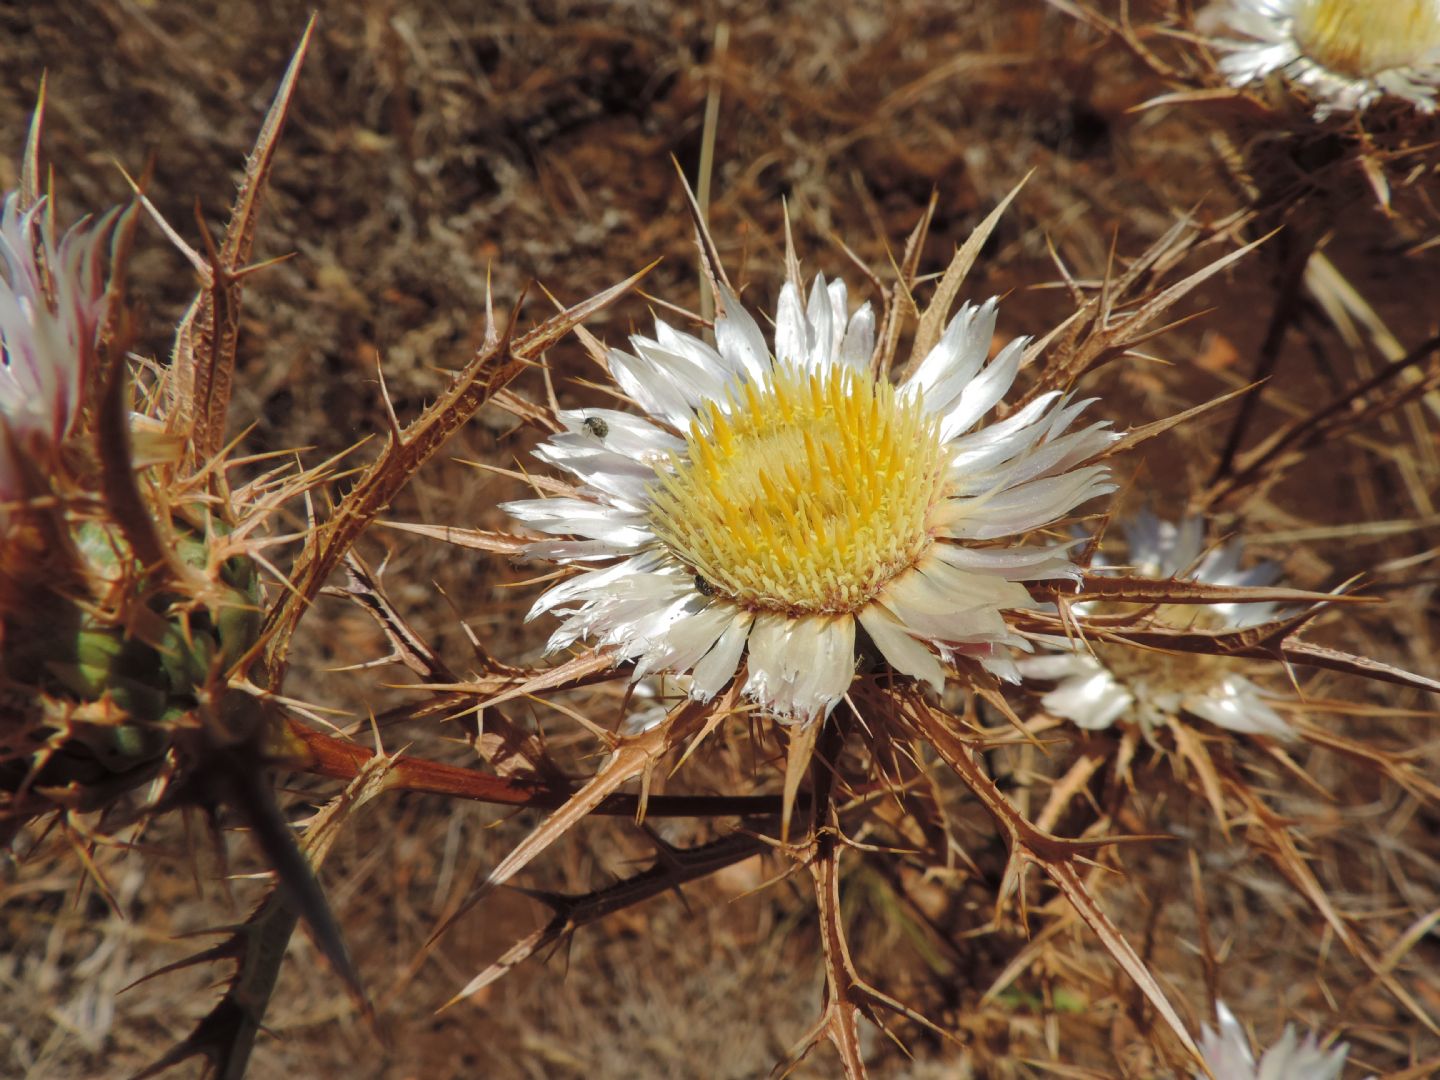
[
  {"x": 47, "y": 339},
  {"x": 1227, "y": 1052},
  {"x": 1102, "y": 683},
  {"x": 1347, "y": 54},
  {"x": 772, "y": 503}
]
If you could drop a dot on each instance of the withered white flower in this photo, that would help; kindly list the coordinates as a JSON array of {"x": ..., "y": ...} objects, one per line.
[
  {"x": 1346, "y": 54},
  {"x": 1101, "y": 683},
  {"x": 1227, "y": 1052},
  {"x": 47, "y": 335},
  {"x": 772, "y": 506}
]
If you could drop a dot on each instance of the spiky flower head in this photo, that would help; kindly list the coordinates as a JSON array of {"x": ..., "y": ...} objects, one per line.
[
  {"x": 101, "y": 649},
  {"x": 1101, "y": 683},
  {"x": 1346, "y": 54},
  {"x": 1227, "y": 1053},
  {"x": 51, "y": 298},
  {"x": 773, "y": 506}
]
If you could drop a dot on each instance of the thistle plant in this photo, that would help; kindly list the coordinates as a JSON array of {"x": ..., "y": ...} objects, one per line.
[
  {"x": 725, "y": 533},
  {"x": 1345, "y": 54},
  {"x": 828, "y": 582},
  {"x": 123, "y": 597},
  {"x": 130, "y": 594},
  {"x": 1316, "y": 107},
  {"x": 887, "y": 522},
  {"x": 1100, "y": 685},
  {"x": 832, "y": 555}
]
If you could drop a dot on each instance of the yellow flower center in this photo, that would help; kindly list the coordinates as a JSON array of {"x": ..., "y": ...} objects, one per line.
[
  {"x": 807, "y": 493},
  {"x": 1363, "y": 38}
]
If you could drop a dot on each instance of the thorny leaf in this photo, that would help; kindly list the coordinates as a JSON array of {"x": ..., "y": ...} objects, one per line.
[
  {"x": 1265, "y": 641},
  {"x": 1343, "y": 414},
  {"x": 505, "y": 746},
  {"x": 454, "y": 700},
  {"x": 528, "y": 411},
  {"x": 1191, "y": 749},
  {"x": 498, "y": 361},
  {"x": 30, "y": 162},
  {"x": 325, "y": 755},
  {"x": 844, "y": 992},
  {"x": 1143, "y": 434},
  {"x": 1305, "y": 652},
  {"x": 113, "y": 334},
  {"x": 899, "y": 303},
  {"x": 1404, "y": 768},
  {"x": 363, "y": 588},
  {"x": 208, "y": 336},
  {"x": 1122, "y": 31},
  {"x": 798, "y": 752},
  {"x": 496, "y": 543},
  {"x": 1055, "y": 856},
  {"x": 847, "y": 995},
  {"x": 932, "y": 322},
  {"x": 1107, "y": 335},
  {"x": 632, "y": 758},
  {"x": 576, "y": 671},
  {"x": 123, "y": 500},
  {"x": 233, "y": 765},
  {"x": 226, "y": 1034},
  {"x": 1137, "y": 590},
  {"x": 675, "y": 867},
  {"x": 711, "y": 267},
  {"x": 1278, "y": 844}
]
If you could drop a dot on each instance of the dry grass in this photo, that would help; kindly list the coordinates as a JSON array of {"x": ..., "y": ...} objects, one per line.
[{"x": 435, "y": 145}]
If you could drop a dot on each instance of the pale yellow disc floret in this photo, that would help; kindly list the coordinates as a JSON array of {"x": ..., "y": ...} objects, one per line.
[
  {"x": 807, "y": 493},
  {"x": 1364, "y": 38},
  {"x": 1183, "y": 673}
]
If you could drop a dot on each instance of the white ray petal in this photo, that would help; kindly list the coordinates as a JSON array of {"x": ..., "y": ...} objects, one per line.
[
  {"x": 739, "y": 339},
  {"x": 822, "y": 337},
  {"x": 858, "y": 345},
  {"x": 719, "y": 664},
  {"x": 901, "y": 651},
  {"x": 695, "y": 383},
  {"x": 946, "y": 604},
  {"x": 624, "y": 433},
  {"x": 1235, "y": 704},
  {"x": 1008, "y": 512},
  {"x": 955, "y": 359},
  {"x": 650, "y": 388},
  {"x": 800, "y": 667},
  {"x": 582, "y": 518},
  {"x": 688, "y": 640},
  {"x": 593, "y": 583},
  {"x": 1090, "y": 701},
  {"x": 984, "y": 391},
  {"x": 792, "y": 335},
  {"x": 1050, "y": 667},
  {"x": 1013, "y": 564}
]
